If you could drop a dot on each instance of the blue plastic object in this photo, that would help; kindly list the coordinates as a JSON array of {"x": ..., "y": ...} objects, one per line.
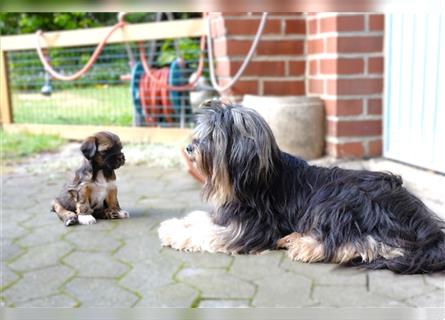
[
  {"x": 177, "y": 77},
  {"x": 138, "y": 115}
]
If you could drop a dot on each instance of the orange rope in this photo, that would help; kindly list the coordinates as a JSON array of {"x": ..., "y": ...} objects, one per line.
[{"x": 85, "y": 68}]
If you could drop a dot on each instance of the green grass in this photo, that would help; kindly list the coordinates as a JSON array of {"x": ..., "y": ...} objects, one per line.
[
  {"x": 100, "y": 105},
  {"x": 16, "y": 146}
]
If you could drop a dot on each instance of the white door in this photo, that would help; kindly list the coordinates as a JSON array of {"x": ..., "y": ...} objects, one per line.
[{"x": 414, "y": 98}]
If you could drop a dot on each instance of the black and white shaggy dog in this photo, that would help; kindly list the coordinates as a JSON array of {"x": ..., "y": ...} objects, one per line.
[{"x": 268, "y": 199}]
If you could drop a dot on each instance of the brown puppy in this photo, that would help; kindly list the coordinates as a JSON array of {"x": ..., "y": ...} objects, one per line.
[{"x": 92, "y": 193}]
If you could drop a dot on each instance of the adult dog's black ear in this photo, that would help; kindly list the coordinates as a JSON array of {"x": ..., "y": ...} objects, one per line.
[{"x": 89, "y": 147}]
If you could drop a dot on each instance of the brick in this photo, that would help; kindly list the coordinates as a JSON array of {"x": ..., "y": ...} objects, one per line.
[
  {"x": 344, "y": 128},
  {"x": 218, "y": 28},
  {"x": 342, "y": 66},
  {"x": 295, "y": 26},
  {"x": 280, "y": 47},
  {"x": 355, "y": 86},
  {"x": 250, "y": 26},
  {"x": 331, "y": 44},
  {"x": 223, "y": 68},
  {"x": 351, "y": 107},
  {"x": 375, "y": 106},
  {"x": 238, "y": 47},
  {"x": 315, "y": 46},
  {"x": 313, "y": 67},
  {"x": 245, "y": 87},
  {"x": 375, "y": 148},
  {"x": 297, "y": 68},
  {"x": 375, "y": 65},
  {"x": 342, "y": 23},
  {"x": 286, "y": 87},
  {"x": 350, "y": 149},
  {"x": 313, "y": 26},
  {"x": 376, "y": 22},
  {"x": 316, "y": 86},
  {"x": 347, "y": 44},
  {"x": 328, "y": 24},
  {"x": 220, "y": 48},
  {"x": 260, "y": 68}
]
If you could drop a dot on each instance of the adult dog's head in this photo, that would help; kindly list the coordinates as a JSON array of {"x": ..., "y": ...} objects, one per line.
[
  {"x": 234, "y": 149},
  {"x": 104, "y": 151}
]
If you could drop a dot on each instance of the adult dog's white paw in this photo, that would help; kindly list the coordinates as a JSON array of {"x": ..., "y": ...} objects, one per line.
[
  {"x": 86, "y": 219},
  {"x": 168, "y": 229},
  {"x": 123, "y": 214},
  {"x": 193, "y": 233}
]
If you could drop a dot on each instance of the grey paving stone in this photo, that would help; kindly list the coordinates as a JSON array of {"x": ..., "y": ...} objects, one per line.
[
  {"x": 90, "y": 239},
  {"x": 41, "y": 256},
  {"x": 200, "y": 259},
  {"x": 7, "y": 276},
  {"x": 180, "y": 181},
  {"x": 433, "y": 299},
  {"x": 176, "y": 295},
  {"x": 100, "y": 293},
  {"x": 189, "y": 199},
  {"x": 326, "y": 274},
  {"x": 14, "y": 198},
  {"x": 224, "y": 304},
  {"x": 253, "y": 267},
  {"x": 9, "y": 250},
  {"x": 95, "y": 264},
  {"x": 39, "y": 283},
  {"x": 45, "y": 234},
  {"x": 347, "y": 296},
  {"x": 139, "y": 249},
  {"x": 436, "y": 280},
  {"x": 396, "y": 286},
  {"x": 135, "y": 227},
  {"x": 152, "y": 273},
  {"x": 216, "y": 283},
  {"x": 44, "y": 218},
  {"x": 57, "y": 301},
  {"x": 283, "y": 290},
  {"x": 12, "y": 230},
  {"x": 166, "y": 202}
]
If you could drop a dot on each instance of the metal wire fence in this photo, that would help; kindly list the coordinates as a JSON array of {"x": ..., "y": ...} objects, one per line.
[{"x": 104, "y": 95}]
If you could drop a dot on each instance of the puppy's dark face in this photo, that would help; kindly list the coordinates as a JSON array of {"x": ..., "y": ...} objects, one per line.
[{"x": 104, "y": 150}]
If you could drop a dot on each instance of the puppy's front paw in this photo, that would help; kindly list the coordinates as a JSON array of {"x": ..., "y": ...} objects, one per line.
[
  {"x": 122, "y": 214},
  {"x": 86, "y": 219},
  {"x": 71, "y": 221}
]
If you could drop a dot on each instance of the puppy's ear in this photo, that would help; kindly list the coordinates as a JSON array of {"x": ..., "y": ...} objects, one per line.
[{"x": 89, "y": 147}]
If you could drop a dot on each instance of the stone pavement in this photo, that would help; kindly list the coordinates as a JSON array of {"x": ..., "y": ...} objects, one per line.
[{"x": 120, "y": 263}]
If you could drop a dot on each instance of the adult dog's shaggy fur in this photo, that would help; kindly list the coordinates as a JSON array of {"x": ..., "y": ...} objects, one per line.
[
  {"x": 267, "y": 199},
  {"x": 92, "y": 192}
]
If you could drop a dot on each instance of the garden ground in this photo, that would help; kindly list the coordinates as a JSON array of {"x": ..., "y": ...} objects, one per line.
[{"x": 120, "y": 263}]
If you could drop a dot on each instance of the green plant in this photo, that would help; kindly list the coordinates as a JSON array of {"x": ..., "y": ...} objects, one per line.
[{"x": 15, "y": 146}]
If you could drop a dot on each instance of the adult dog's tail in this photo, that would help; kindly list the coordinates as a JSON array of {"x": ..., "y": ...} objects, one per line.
[{"x": 426, "y": 257}]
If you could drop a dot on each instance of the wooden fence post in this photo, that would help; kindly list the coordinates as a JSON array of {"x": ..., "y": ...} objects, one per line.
[{"x": 5, "y": 93}]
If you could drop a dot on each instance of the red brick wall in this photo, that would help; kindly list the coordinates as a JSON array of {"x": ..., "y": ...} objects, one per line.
[
  {"x": 345, "y": 62},
  {"x": 338, "y": 57},
  {"x": 278, "y": 67}
]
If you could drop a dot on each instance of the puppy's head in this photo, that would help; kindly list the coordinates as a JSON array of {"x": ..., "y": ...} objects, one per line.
[
  {"x": 234, "y": 148},
  {"x": 103, "y": 150}
]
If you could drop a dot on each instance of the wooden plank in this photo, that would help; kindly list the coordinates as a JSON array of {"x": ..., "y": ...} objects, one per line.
[
  {"x": 5, "y": 94},
  {"x": 92, "y": 36},
  {"x": 127, "y": 134}
]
